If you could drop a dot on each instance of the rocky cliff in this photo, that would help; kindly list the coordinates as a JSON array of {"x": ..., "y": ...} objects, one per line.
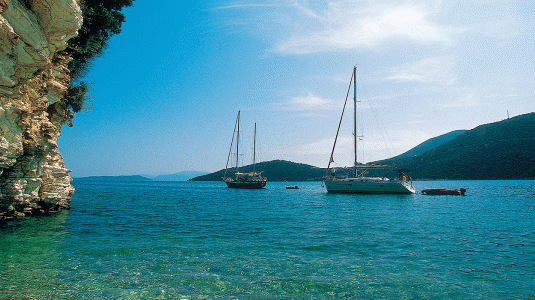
[{"x": 33, "y": 78}]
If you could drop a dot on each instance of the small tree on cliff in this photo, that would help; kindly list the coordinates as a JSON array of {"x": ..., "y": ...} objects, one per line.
[{"x": 102, "y": 20}]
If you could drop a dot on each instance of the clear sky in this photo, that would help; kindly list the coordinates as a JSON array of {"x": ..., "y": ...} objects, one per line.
[{"x": 168, "y": 88}]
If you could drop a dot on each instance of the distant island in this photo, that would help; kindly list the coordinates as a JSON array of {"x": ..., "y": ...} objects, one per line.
[
  {"x": 114, "y": 178},
  {"x": 500, "y": 150},
  {"x": 275, "y": 170},
  {"x": 179, "y": 176}
]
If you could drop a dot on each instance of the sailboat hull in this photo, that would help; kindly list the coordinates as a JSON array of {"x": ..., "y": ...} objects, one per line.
[
  {"x": 246, "y": 184},
  {"x": 369, "y": 186}
]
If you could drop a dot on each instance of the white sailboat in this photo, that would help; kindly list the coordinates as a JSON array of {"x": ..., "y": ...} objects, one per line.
[
  {"x": 249, "y": 180},
  {"x": 402, "y": 184}
]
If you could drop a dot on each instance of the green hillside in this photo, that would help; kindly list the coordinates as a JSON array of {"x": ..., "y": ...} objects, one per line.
[
  {"x": 501, "y": 150},
  {"x": 275, "y": 170},
  {"x": 430, "y": 144}
]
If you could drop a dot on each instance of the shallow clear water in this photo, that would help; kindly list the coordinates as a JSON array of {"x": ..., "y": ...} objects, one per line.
[{"x": 169, "y": 240}]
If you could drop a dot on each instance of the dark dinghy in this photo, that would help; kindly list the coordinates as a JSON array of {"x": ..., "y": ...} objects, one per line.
[{"x": 459, "y": 192}]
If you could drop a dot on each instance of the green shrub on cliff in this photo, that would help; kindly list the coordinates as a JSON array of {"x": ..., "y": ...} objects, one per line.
[
  {"x": 102, "y": 20},
  {"x": 76, "y": 96}
]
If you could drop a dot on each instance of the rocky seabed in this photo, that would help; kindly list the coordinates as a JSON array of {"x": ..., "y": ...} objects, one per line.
[{"x": 33, "y": 79}]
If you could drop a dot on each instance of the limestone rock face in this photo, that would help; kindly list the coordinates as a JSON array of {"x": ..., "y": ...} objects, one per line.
[{"x": 33, "y": 78}]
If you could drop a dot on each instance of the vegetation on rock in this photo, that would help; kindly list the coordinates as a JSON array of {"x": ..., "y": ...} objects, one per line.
[{"x": 102, "y": 20}]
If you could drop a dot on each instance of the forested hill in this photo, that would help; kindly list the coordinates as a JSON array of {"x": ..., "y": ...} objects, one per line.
[
  {"x": 430, "y": 144},
  {"x": 501, "y": 150},
  {"x": 275, "y": 170}
]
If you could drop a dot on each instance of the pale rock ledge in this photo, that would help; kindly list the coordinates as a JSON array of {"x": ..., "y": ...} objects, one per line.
[{"x": 33, "y": 78}]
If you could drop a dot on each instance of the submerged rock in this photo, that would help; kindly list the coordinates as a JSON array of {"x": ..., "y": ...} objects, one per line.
[{"x": 33, "y": 79}]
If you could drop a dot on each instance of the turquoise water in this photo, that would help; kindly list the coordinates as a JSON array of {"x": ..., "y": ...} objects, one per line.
[{"x": 182, "y": 240}]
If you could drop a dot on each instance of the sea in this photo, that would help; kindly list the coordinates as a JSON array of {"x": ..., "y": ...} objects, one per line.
[{"x": 201, "y": 240}]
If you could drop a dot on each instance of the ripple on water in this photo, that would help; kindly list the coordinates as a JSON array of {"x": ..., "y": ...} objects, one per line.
[{"x": 202, "y": 240}]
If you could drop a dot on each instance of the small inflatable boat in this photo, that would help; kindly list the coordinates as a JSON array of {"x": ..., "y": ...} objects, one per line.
[{"x": 459, "y": 192}]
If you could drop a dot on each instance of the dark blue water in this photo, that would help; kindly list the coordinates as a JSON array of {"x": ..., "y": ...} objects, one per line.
[{"x": 180, "y": 240}]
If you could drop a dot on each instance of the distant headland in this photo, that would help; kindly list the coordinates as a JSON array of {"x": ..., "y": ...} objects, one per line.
[
  {"x": 500, "y": 150},
  {"x": 114, "y": 178}
]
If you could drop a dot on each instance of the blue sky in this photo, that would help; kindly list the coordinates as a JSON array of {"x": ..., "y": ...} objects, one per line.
[{"x": 168, "y": 88}]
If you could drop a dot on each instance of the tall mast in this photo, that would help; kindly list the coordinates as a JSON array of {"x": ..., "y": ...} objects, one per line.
[
  {"x": 237, "y": 144},
  {"x": 231, "y": 144},
  {"x": 254, "y": 149},
  {"x": 355, "y": 115}
]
